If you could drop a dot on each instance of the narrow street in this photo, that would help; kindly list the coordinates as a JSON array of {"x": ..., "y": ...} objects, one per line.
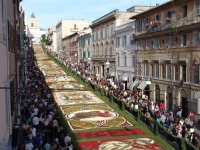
[{"x": 93, "y": 124}]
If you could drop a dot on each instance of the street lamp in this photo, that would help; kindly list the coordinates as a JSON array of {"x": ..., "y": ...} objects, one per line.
[
  {"x": 107, "y": 63},
  {"x": 148, "y": 81}
]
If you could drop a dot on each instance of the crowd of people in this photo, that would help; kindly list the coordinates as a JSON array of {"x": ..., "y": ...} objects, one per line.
[
  {"x": 40, "y": 123},
  {"x": 172, "y": 120},
  {"x": 40, "y": 127}
]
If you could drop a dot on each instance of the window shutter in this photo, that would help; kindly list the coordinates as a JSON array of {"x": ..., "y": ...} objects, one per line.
[
  {"x": 125, "y": 60},
  {"x": 154, "y": 43},
  {"x": 133, "y": 60},
  {"x": 170, "y": 41},
  {"x": 199, "y": 38},
  {"x": 182, "y": 40},
  {"x": 158, "y": 43},
  {"x": 159, "y": 18},
  {"x": 198, "y": 8},
  {"x": 118, "y": 61}
]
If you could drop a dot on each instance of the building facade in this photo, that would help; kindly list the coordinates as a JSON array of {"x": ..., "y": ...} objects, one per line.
[
  {"x": 73, "y": 47},
  {"x": 104, "y": 42},
  {"x": 84, "y": 52},
  {"x": 167, "y": 53},
  {"x": 67, "y": 27},
  {"x": 104, "y": 46},
  {"x": 125, "y": 54},
  {"x": 52, "y": 39},
  {"x": 33, "y": 29},
  {"x": 10, "y": 61}
]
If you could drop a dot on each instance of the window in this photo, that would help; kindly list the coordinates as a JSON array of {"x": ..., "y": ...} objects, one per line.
[
  {"x": 169, "y": 14},
  {"x": 198, "y": 38},
  {"x": 80, "y": 44},
  {"x": 163, "y": 71},
  {"x": 32, "y": 25},
  {"x": 101, "y": 33},
  {"x": 106, "y": 32},
  {"x": 84, "y": 54},
  {"x": 183, "y": 40},
  {"x": 117, "y": 42},
  {"x": 146, "y": 21},
  {"x": 139, "y": 68},
  {"x": 157, "y": 17},
  {"x": 169, "y": 71},
  {"x": 124, "y": 41},
  {"x": 139, "y": 25},
  {"x": 97, "y": 35},
  {"x": 88, "y": 54},
  {"x": 133, "y": 60},
  {"x": 146, "y": 69},
  {"x": 3, "y": 10},
  {"x": 138, "y": 45},
  {"x": 131, "y": 39},
  {"x": 88, "y": 41},
  {"x": 198, "y": 8},
  {"x": 107, "y": 52},
  {"x": 169, "y": 41},
  {"x": 157, "y": 70},
  {"x": 156, "y": 43},
  {"x": 74, "y": 26},
  {"x": 112, "y": 29},
  {"x": 147, "y": 44},
  {"x": 184, "y": 11},
  {"x": 118, "y": 60},
  {"x": 125, "y": 61},
  {"x": 183, "y": 72},
  {"x": 83, "y": 43}
]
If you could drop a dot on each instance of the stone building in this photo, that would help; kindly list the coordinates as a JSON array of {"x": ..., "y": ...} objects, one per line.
[
  {"x": 33, "y": 29},
  {"x": 103, "y": 37},
  {"x": 167, "y": 53}
]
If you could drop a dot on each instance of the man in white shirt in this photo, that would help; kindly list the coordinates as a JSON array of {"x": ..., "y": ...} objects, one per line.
[
  {"x": 35, "y": 121},
  {"x": 163, "y": 118},
  {"x": 29, "y": 146},
  {"x": 67, "y": 139}
]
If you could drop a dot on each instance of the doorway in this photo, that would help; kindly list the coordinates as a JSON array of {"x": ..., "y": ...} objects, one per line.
[
  {"x": 147, "y": 91},
  {"x": 157, "y": 93},
  {"x": 184, "y": 107},
  {"x": 125, "y": 83},
  {"x": 170, "y": 100}
]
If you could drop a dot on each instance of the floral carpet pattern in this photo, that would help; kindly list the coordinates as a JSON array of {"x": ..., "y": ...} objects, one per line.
[
  {"x": 93, "y": 116},
  {"x": 66, "y": 85},
  {"x": 76, "y": 97},
  {"x": 94, "y": 124}
]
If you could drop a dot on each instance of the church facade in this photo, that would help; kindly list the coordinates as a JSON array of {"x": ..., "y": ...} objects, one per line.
[{"x": 33, "y": 29}]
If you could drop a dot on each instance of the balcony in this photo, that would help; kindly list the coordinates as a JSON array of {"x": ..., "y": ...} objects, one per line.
[
  {"x": 180, "y": 24},
  {"x": 104, "y": 57}
]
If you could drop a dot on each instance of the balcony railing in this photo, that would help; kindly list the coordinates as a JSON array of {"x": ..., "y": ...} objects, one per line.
[{"x": 169, "y": 25}]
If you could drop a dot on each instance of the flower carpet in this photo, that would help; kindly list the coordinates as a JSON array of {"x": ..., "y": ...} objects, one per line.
[
  {"x": 94, "y": 124},
  {"x": 72, "y": 97},
  {"x": 66, "y": 85}
]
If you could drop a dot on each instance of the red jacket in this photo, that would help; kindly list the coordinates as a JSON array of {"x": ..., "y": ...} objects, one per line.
[{"x": 162, "y": 105}]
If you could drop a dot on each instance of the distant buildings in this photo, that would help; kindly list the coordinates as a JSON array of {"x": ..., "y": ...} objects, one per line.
[
  {"x": 67, "y": 27},
  {"x": 33, "y": 29}
]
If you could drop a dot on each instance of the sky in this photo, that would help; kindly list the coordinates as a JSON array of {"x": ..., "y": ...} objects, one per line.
[{"x": 50, "y": 12}]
